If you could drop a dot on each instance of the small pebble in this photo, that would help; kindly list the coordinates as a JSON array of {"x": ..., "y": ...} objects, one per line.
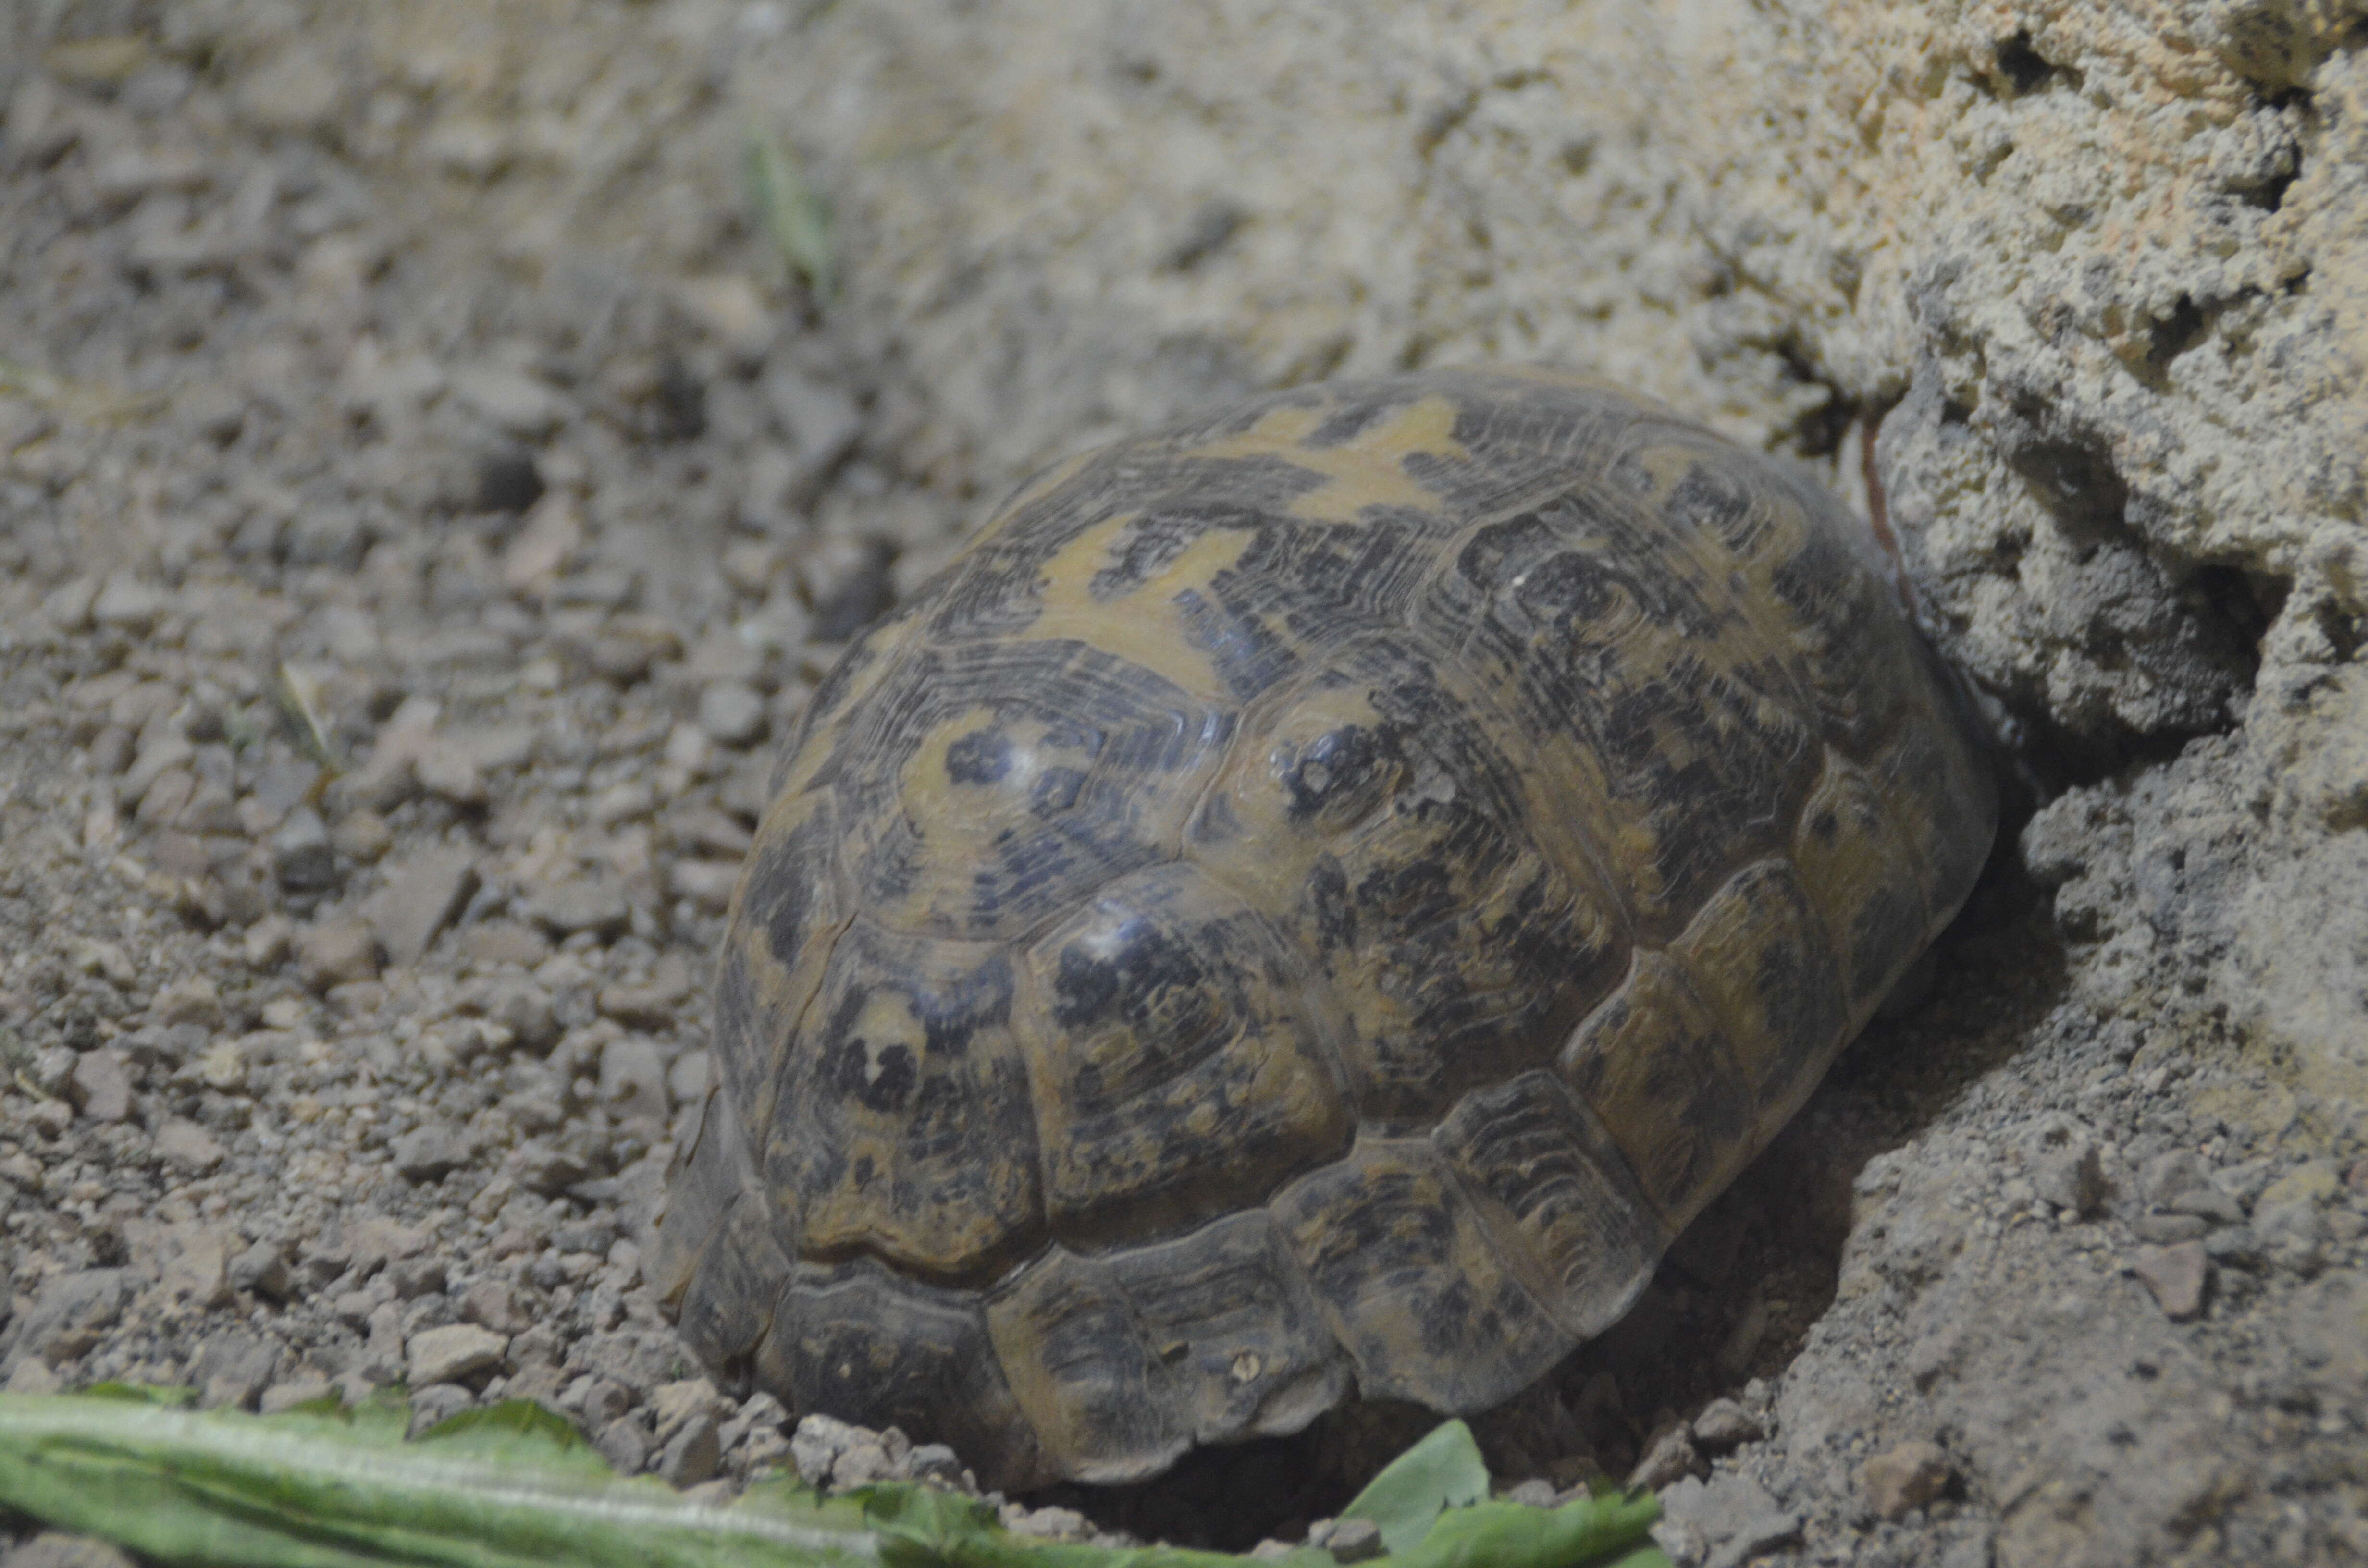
[
  {"x": 1672, "y": 1454},
  {"x": 100, "y": 1087},
  {"x": 692, "y": 1455},
  {"x": 934, "y": 1462},
  {"x": 815, "y": 1447},
  {"x": 2177, "y": 1275},
  {"x": 452, "y": 1353},
  {"x": 731, "y": 714},
  {"x": 263, "y": 1269},
  {"x": 1905, "y": 1477},
  {"x": 625, "y": 1445},
  {"x": 1725, "y": 1424},
  {"x": 605, "y": 1402},
  {"x": 338, "y": 952}
]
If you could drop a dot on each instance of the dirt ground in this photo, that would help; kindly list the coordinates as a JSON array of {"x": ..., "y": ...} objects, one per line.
[{"x": 425, "y": 492}]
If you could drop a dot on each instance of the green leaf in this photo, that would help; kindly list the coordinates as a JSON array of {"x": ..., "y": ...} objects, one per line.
[
  {"x": 1444, "y": 1470},
  {"x": 1512, "y": 1535},
  {"x": 792, "y": 215},
  {"x": 345, "y": 1490},
  {"x": 517, "y": 1428},
  {"x": 513, "y": 1485}
]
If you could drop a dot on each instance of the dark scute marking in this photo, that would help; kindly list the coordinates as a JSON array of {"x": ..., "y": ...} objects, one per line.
[
  {"x": 832, "y": 696},
  {"x": 1346, "y": 773},
  {"x": 1176, "y": 1070},
  {"x": 1715, "y": 499},
  {"x": 1563, "y": 582},
  {"x": 742, "y": 1053},
  {"x": 1742, "y": 764},
  {"x": 1335, "y": 912},
  {"x": 1055, "y": 790},
  {"x": 788, "y": 879},
  {"x": 1760, "y": 953},
  {"x": 1150, "y": 983},
  {"x": 983, "y": 756},
  {"x": 1520, "y": 431},
  {"x": 1121, "y": 984},
  {"x": 1300, "y": 587},
  {"x": 1798, "y": 986},
  {"x": 997, "y": 586},
  {"x": 981, "y": 996},
  {"x": 1568, "y": 589},
  {"x": 862, "y": 1346},
  {"x": 1654, "y": 1067},
  {"x": 1352, "y": 419},
  {"x": 1860, "y": 657},
  {"x": 904, "y": 1129},
  {"x": 1459, "y": 949},
  {"x": 1952, "y": 809},
  {"x": 1163, "y": 532},
  {"x": 878, "y": 1074},
  {"x": 1248, "y": 654},
  {"x": 1579, "y": 1219}
]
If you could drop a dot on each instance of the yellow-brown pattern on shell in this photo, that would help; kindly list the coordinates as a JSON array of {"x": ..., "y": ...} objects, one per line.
[{"x": 1314, "y": 897}]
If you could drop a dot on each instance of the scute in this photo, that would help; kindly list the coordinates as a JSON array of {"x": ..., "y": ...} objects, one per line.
[
  {"x": 1556, "y": 1189},
  {"x": 1094, "y": 1388},
  {"x": 1178, "y": 1069},
  {"x": 905, "y": 1127},
  {"x": 1759, "y": 955},
  {"x": 882, "y": 1351},
  {"x": 1375, "y": 814},
  {"x": 1412, "y": 1283},
  {"x": 991, "y": 786},
  {"x": 1612, "y": 649},
  {"x": 1311, "y": 901},
  {"x": 1655, "y": 1065},
  {"x": 1124, "y": 1360}
]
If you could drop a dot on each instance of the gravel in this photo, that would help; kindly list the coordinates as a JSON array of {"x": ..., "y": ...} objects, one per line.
[{"x": 366, "y": 684}]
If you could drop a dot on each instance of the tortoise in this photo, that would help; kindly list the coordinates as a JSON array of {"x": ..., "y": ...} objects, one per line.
[{"x": 1308, "y": 903}]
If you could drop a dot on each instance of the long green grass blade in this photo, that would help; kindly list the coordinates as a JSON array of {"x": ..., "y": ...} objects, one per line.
[{"x": 794, "y": 216}]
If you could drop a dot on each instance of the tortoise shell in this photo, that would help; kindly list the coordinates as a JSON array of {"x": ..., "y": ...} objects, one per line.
[{"x": 1311, "y": 901}]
